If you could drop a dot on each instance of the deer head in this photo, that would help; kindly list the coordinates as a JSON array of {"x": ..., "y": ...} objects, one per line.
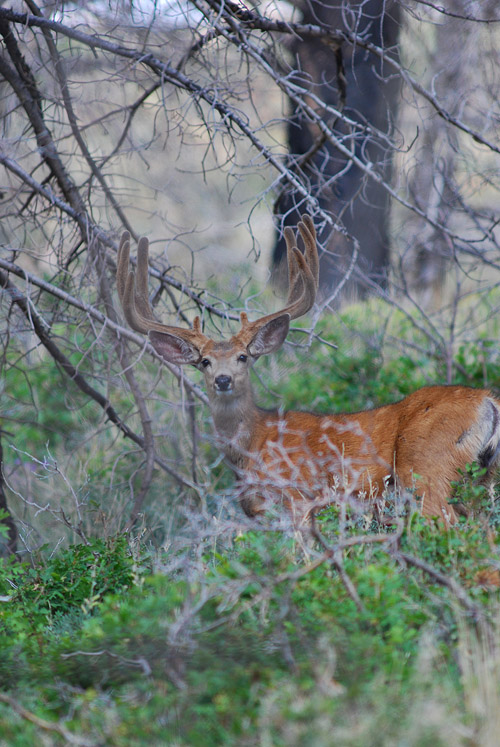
[{"x": 224, "y": 364}]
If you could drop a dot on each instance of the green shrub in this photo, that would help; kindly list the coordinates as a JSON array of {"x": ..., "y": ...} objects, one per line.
[{"x": 244, "y": 639}]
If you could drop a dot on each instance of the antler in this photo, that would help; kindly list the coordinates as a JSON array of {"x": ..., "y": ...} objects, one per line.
[
  {"x": 134, "y": 296},
  {"x": 303, "y": 279}
]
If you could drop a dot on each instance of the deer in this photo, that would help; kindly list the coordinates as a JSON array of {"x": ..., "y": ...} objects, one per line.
[{"x": 418, "y": 444}]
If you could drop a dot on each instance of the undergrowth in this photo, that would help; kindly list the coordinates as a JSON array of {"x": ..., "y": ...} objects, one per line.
[
  {"x": 213, "y": 631},
  {"x": 258, "y": 644}
]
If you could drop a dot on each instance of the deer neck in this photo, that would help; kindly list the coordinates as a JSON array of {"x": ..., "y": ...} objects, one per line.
[{"x": 235, "y": 419}]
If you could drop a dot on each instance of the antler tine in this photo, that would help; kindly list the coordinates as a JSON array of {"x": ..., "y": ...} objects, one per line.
[
  {"x": 308, "y": 233},
  {"x": 132, "y": 315},
  {"x": 304, "y": 272},
  {"x": 303, "y": 277},
  {"x": 303, "y": 269},
  {"x": 141, "y": 295},
  {"x": 134, "y": 296},
  {"x": 295, "y": 284},
  {"x": 122, "y": 264}
]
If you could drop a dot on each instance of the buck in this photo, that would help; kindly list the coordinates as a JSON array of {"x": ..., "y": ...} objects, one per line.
[{"x": 419, "y": 443}]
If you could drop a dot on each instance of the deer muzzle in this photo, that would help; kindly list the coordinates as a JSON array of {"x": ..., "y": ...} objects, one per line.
[{"x": 223, "y": 383}]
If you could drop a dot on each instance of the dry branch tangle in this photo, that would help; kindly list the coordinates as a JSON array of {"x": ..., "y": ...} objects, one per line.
[
  {"x": 232, "y": 119},
  {"x": 66, "y": 201}
]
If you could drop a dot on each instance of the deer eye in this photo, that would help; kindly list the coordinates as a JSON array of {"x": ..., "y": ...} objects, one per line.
[
  {"x": 205, "y": 362},
  {"x": 243, "y": 357}
]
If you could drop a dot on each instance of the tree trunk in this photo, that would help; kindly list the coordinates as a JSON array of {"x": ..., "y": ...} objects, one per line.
[
  {"x": 8, "y": 543},
  {"x": 357, "y": 83}
]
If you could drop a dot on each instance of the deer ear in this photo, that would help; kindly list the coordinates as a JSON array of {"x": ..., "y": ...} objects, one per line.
[
  {"x": 270, "y": 336},
  {"x": 174, "y": 349}
]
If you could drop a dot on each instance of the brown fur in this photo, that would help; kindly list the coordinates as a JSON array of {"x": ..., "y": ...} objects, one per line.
[{"x": 420, "y": 442}]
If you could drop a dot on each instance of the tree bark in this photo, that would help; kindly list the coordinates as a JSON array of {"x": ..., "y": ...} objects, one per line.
[
  {"x": 356, "y": 83},
  {"x": 8, "y": 544}
]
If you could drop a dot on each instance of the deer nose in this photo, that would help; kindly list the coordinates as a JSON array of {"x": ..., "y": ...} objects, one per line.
[{"x": 223, "y": 383}]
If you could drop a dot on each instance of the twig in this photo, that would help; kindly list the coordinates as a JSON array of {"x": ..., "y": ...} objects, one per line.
[
  {"x": 442, "y": 579},
  {"x": 41, "y": 723},
  {"x": 42, "y": 332},
  {"x": 141, "y": 662}
]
